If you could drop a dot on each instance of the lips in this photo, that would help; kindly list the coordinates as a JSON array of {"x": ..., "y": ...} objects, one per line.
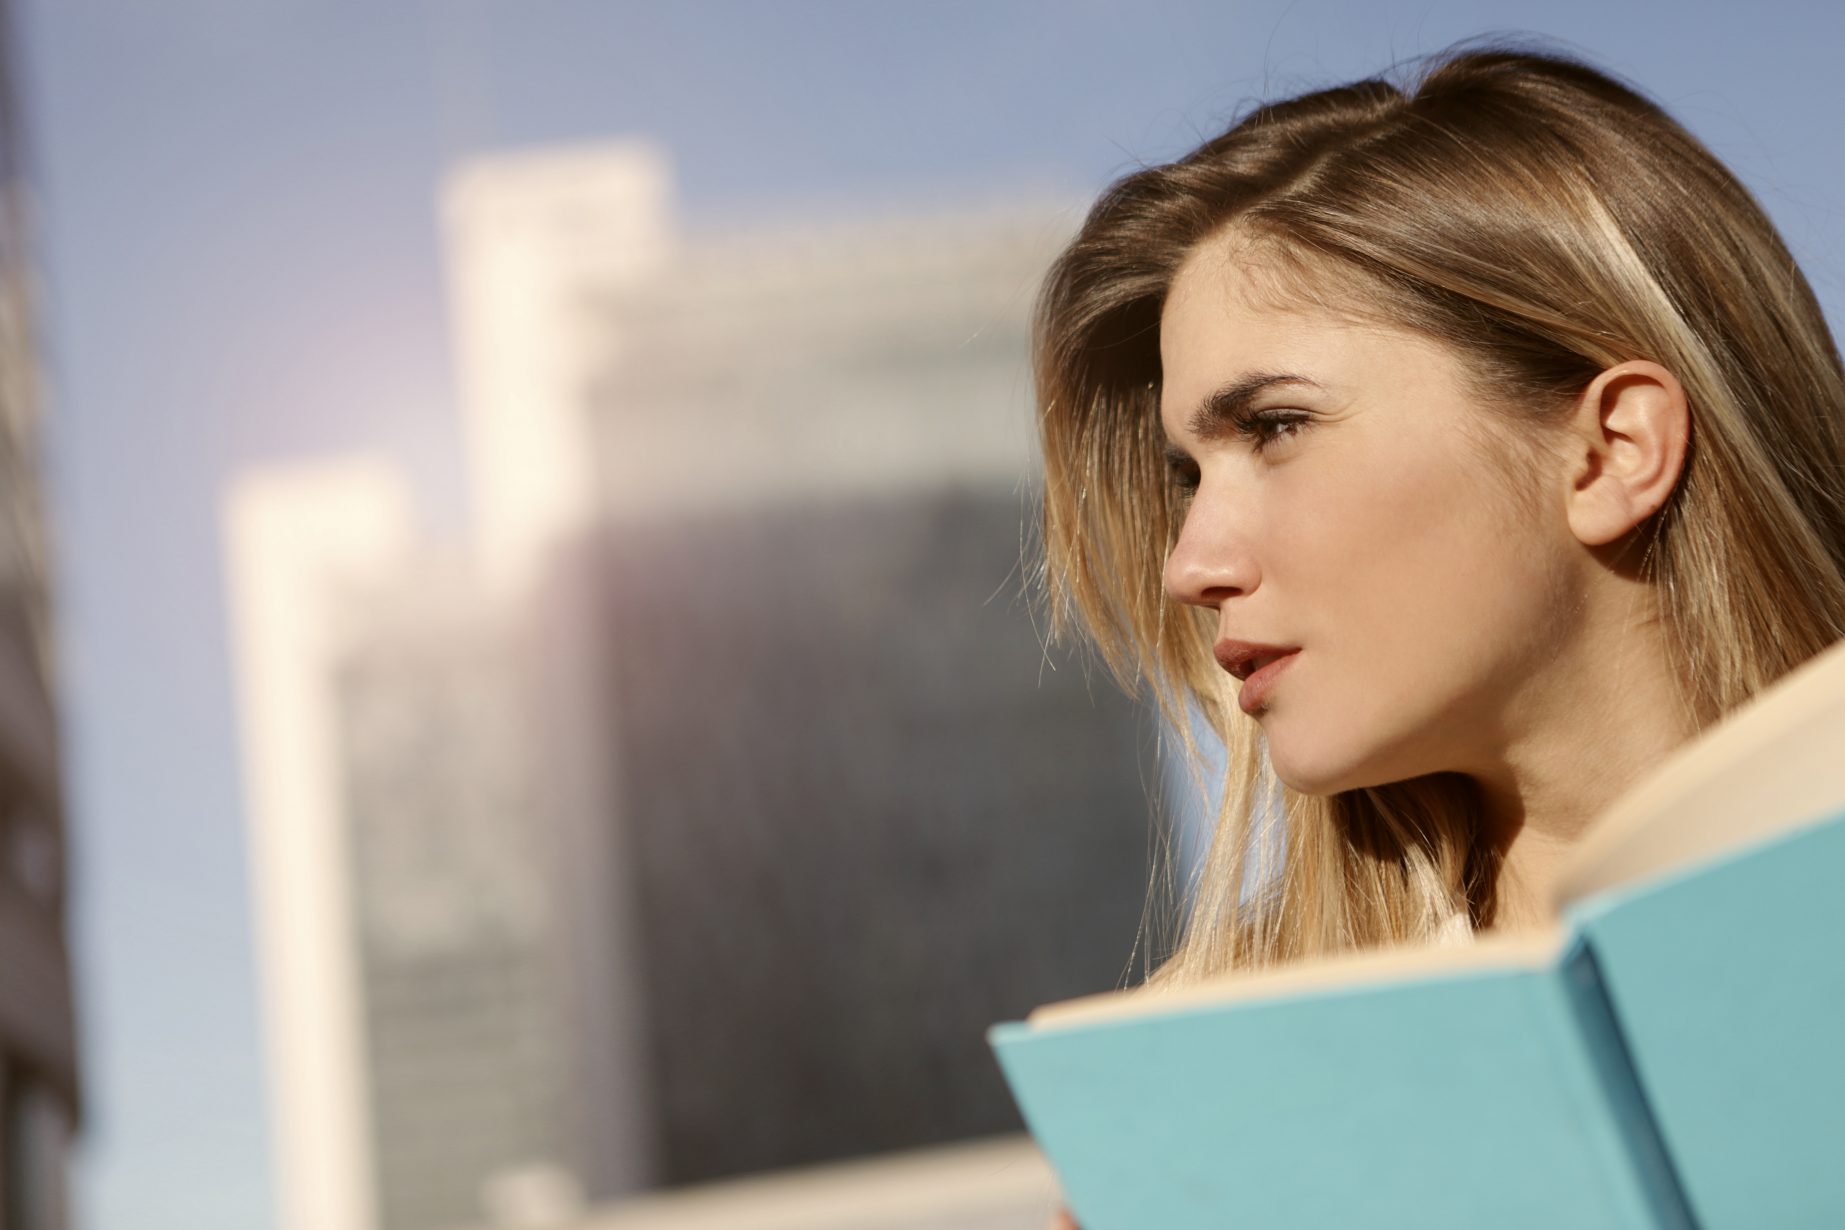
[
  {"x": 1258, "y": 666},
  {"x": 1245, "y": 658}
]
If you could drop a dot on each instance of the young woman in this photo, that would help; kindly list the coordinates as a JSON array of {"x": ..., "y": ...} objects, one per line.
[{"x": 1454, "y": 451}]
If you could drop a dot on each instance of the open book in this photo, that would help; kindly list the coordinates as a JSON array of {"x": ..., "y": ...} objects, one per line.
[{"x": 1671, "y": 1052}]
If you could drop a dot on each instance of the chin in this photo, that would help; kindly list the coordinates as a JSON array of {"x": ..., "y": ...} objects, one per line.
[
  {"x": 1309, "y": 778},
  {"x": 1325, "y": 771}
]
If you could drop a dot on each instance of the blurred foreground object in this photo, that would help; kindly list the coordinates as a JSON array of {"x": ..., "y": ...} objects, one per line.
[
  {"x": 695, "y": 816},
  {"x": 997, "y": 1184},
  {"x": 38, "y": 1064}
]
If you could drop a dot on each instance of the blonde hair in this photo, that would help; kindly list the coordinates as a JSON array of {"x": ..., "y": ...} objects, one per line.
[{"x": 1546, "y": 222}]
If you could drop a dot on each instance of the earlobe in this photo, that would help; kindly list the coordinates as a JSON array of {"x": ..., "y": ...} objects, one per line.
[{"x": 1632, "y": 427}]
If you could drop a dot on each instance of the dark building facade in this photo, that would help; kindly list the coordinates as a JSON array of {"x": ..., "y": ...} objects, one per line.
[
  {"x": 39, "y": 1094},
  {"x": 864, "y": 818}
]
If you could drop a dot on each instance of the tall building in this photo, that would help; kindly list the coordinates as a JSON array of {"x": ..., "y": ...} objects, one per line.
[
  {"x": 695, "y": 818},
  {"x": 813, "y": 446},
  {"x": 296, "y": 540},
  {"x": 39, "y": 1087}
]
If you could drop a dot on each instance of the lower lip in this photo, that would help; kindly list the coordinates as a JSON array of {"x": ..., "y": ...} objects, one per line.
[{"x": 1256, "y": 688}]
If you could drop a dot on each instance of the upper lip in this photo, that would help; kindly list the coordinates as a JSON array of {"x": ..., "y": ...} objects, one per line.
[{"x": 1245, "y": 658}]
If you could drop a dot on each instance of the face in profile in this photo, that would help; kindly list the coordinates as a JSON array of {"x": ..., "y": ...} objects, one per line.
[{"x": 1342, "y": 502}]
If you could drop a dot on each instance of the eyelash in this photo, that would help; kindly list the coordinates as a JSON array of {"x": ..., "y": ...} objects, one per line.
[{"x": 1262, "y": 428}]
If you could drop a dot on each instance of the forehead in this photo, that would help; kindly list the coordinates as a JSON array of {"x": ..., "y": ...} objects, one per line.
[
  {"x": 1237, "y": 308},
  {"x": 1262, "y": 272},
  {"x": 1234, "y": 277},
  {"x": 1233, "y": 310}
]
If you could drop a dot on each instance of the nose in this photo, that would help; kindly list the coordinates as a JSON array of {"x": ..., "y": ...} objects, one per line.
[{"x": 1211, "y": 562}]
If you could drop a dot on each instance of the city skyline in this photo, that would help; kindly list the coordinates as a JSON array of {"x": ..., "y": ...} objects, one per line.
[
  {"x": 566, "y": 878},
  {"x": 241, "y": 264}
]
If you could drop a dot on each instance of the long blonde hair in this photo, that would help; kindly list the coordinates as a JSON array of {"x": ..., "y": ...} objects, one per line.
[{"x": 1546, "y": 222}]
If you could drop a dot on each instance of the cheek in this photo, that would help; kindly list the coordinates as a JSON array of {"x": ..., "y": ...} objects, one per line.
[
  {"x": 1425, "y": 594},
  {"x": 1389, "y": 545}
]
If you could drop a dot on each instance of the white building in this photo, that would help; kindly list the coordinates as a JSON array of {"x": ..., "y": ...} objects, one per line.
[{"x": 293, "y": 540}]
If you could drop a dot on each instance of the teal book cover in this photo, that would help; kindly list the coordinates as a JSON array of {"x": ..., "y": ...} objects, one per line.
[
  {"x": 1668, "y": 1054},
  {"x": 1729, "y": 982}
]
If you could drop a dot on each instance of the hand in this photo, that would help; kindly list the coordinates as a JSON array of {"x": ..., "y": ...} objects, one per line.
[{"x": 1061, "y": 1220}]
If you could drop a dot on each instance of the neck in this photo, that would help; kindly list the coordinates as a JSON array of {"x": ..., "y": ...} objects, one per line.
[{"x": 1593, "y": 728}]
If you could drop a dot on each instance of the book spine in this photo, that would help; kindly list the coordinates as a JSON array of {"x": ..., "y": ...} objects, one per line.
[{"x": 1617, "y": 1081}]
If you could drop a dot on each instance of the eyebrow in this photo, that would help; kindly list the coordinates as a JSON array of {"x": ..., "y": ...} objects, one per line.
[{"x": 1217, "y": 414}]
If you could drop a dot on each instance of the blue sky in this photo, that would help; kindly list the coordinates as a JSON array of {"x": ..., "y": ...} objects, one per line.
[{"x": 238, "y": 243}]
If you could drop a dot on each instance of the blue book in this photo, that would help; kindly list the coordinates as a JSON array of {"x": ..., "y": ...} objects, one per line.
[{"x": 1670, "y": 1052}]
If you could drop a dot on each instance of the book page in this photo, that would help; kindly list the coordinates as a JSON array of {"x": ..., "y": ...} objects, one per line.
[
  {"x": 1524, "y": 949},
  {"x": 1774, "y": 764}
]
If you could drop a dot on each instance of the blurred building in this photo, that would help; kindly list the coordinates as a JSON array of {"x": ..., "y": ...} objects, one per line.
[
  {"x": 697, "y": 817},
  {"x": 39, "y": 1102},
  {"x": 296, "y": 542}
]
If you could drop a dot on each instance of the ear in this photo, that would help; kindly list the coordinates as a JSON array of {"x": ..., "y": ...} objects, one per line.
[{"x": 1628, "y": 440}]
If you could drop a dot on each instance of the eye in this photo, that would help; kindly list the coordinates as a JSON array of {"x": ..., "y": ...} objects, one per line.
[{"x": 1265, "y": 427}]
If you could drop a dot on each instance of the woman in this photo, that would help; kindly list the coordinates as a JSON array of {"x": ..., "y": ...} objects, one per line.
[{"x": 1454, "y": 451}]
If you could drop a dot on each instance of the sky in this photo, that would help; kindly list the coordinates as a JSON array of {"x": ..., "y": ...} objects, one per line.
[{"x": 240, "y": 264}]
